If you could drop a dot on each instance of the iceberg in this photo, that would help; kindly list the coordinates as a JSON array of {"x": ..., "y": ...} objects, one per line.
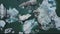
[
  {"x": 2, "y": 23},
  {"x": 12, "y": 12},
  {"x": 47, "y": 13},
  {"x": 2, "y": 11},
  {"x": 8, "y": 30},
  {"x": 28, "y": 25},
  {"x": 24, "y": 17},
  {"x": 28, "y": 3}
]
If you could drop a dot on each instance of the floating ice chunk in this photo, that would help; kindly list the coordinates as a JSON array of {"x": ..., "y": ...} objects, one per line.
[
  {"x": 8, "y": 30},
  {"x": 53, "y": 14},
  {"x": 57, "y": 22},
  {"x": 24, "y": 17},
  {"x": 2, "y": 11},
  {"x": 28, "y": 25},
  {"x": 2, "y": 23},
  {"x": 43, "y": 17},
  {"x": 28, "y": 3},
  {"x": 12, "y": 12}
]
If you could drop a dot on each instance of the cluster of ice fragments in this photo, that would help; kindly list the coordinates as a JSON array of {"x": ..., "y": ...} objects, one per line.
[
  {"x": 10, "y": 16},
  {"x": 46, "y": 16},
  {"x": 2, "y": 15}
]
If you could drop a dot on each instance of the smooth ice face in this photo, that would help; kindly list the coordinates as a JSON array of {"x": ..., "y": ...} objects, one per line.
[{"x": 2, "y": 23}]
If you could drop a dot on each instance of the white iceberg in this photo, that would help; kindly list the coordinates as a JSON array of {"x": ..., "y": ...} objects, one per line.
[
  {"x": 47, "y": 13},
  {"x": 12, "y": 12},
  {"x": 24, "y": 17},
  {"x": 28, "y": 3},
  {"x": 2, "y": 11},
  {"x": 8, "y": 30},
  {"x": 28, "y": 25},
  {"x": 2, "y": 23}
]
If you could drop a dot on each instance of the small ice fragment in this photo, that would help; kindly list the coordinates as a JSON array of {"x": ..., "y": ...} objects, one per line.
[
  {"x": 2, "y": 23},
  {"x": 24, "y": 17}
]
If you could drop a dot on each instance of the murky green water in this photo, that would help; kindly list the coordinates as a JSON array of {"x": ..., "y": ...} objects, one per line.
[{"x": 16, "y": 25}]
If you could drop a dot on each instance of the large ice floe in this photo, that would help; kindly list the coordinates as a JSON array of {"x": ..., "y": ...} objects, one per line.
[{"x": 48, "y": 17}]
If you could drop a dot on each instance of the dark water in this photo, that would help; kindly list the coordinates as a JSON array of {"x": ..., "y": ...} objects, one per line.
[{"x": 16, "y": 25}]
